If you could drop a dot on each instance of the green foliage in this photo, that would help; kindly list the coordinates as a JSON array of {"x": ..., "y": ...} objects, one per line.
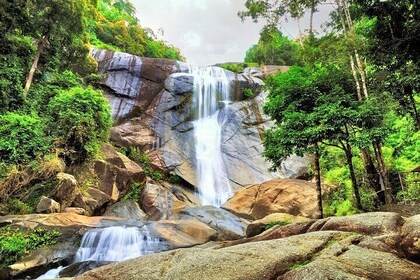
[
  {"x": 175, "y": 179},
  {"x": 135, "y": 192},
  {"x": 80, "y": 121},
  {"x": 117, "y": 28},
  {"x": 11, "y": 80},
  {"x": 143, "y": 160},
  {"x": 22, "y": 138},
  {"x": 248, "y": 93},
  {"x": 17, "y": 207},
  {"x": 234, "y": 67},
  {"x": 273, "y": 49},
  {"x": 16, "y": 243}
]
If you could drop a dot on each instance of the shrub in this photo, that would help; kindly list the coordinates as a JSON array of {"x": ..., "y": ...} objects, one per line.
[
  {"x": 22, "y": 138},
  {"x": 134, "y": 193},
  {"x": 14, "y": 243},
  {"x": 80, "y": 120},
  {"x": 11, "y": 81}
]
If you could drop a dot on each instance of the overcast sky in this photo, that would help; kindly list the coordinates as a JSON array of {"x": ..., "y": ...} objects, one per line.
[{"x": 208, "y": 31}]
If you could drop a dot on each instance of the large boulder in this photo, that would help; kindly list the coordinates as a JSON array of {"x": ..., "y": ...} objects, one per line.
[
  {"x": 161, "y": 200},
  {"x": 128, "y": 209},
  {"x": 226, "y": 224},
  {"x": 66, "y": 191},
  {"x": 47, "y": 206},
  {"x": 295, "y": 197},
  {"x": 410, "y": 233}
]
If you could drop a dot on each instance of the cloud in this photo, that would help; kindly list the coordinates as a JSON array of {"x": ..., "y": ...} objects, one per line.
[{"x": 206, "y": 31}]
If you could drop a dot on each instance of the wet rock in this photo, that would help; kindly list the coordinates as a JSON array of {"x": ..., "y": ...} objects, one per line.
[
  {"x": 295, "y": 197},
  {"x": 47, "y": 205},
  {"x": 264, "y": 71},
  {"x": 125, "y": 209},
  {"x": 179, "y": 83},
  {"x": 227, "y": 225},
  {"x": 80, "y": 267}
]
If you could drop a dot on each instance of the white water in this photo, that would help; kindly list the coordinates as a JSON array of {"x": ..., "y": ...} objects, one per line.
[
  {"x": 115, "y": 244},
  {"x": 212, "y": 92},
  {"x": 51, "y": 274}
]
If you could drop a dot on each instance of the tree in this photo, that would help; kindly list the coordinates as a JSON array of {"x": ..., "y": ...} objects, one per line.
[
  {"x": 58, "y": 25},
  {"x": 273, "y": 49},
  {"x": 82, "y": 120}
]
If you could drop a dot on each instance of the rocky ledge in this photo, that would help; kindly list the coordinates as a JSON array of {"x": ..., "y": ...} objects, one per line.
[{"x": 378, "y": 246}]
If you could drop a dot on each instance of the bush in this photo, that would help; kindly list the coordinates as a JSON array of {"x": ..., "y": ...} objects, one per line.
[
  {"x": 135, "y": 192},
  {"x": 11, "y": 83},
  {"x": 14, "y": 243},
  {"x": 80, "y": 121},
  {"x": 22, "y": 138}
]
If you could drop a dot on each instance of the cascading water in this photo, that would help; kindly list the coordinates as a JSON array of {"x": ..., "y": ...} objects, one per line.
[
  {"x": 211, "y": 92},
  {"x": 113, "y": 244}
]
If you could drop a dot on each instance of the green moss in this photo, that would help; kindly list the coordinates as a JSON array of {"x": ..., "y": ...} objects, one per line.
[
  {"x": 248, "y": 93},
  {"x": 277, "y": 223},
  {"x": 15, "y": 243}
]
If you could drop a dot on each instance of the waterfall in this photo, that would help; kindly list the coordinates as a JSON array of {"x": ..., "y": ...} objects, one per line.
[
  {"x": 211, "y": 94},
  {"x": 115, "y": 244}
]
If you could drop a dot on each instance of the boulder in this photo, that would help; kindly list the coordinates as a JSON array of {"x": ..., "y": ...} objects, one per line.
[
  {"x": 161, "y": 200},
  {"x": 316, "y": 255},
  {"x": 264, "y": 71},
  {"x": 125, "y": 209},
  {"x": 374, "y": 223},
  {"x": 258, "y": 226},
  {"x": 291, "y": 196},
  {"x": 227, "y": 225},
  {"x": 259, "y": 260},
  {"x": 179, "y": 83},
  {"x": 100, "y": 197},
  {"x": 66, "y": 191},
  {"x": 410, "y": 233},
  {"x": 178, "y": 234},
  {"x": 47, "y": 205},
  {"x": 348, "y": 260},
  {"x": 80, "y": 267}
]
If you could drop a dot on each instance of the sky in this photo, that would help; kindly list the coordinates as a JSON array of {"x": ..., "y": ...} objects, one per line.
[{"x": 209, "y": 31}]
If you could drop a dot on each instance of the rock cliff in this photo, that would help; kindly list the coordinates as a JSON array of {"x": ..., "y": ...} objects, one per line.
[{"x": 151, "y": 102}]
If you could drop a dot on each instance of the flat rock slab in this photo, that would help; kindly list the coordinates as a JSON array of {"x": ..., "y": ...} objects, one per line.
[
  {"x": 260, "y": 260},
  {"x": 228, "y": 226}
]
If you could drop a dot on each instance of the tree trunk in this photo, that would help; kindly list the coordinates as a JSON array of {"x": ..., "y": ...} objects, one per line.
[
  {"x": 413, "y": 104},
  {"x": 349, "y": 157},
  {"x": 311, "y": 19},
  {"x": 41, "y": 45},
  {"x": 383, "y": 172},
  {"x": 372, "y": 174},
  {"x": 300, "y": 32},
  {"x": 318, "y": 180}
]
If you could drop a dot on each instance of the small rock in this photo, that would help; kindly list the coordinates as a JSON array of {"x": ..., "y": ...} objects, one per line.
[
  {"x": 47, "y": 206},
  {"x": 75, "y": 210}
]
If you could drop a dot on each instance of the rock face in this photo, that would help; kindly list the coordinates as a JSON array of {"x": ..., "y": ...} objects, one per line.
[
  {"x": 151, "y": 101},
  {"x": 317, "y": 255},
  {"x": 410, "y": 234},
  {"x": 295, "y": 197}
]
